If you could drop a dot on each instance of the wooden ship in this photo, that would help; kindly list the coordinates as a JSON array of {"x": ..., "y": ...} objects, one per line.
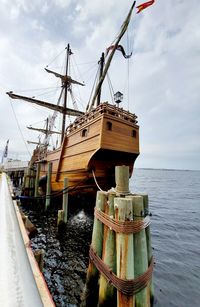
[{"x": 99, "y": 139}]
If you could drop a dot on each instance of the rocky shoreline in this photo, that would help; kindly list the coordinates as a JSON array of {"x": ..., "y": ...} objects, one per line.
[{"x": 66, "y": 250}]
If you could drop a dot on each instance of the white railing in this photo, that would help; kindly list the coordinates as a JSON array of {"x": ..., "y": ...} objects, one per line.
[{"x": 17, "y": 283}]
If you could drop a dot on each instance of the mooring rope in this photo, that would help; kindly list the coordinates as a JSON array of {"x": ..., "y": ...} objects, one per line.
[
  {"x": 55, "y": 194},
  {"x": 128, "y": 287},
  {"x": 95, "y": 180},
  {"x": 126, "y": 227}
]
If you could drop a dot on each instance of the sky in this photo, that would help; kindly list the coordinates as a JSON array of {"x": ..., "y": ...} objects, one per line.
[{"x": 160, "y": 82}]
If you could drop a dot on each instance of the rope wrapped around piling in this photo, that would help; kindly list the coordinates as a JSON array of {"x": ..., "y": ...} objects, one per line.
[
  {"x": 126, "y": 227},
  {"x": 128, "y": 287}
]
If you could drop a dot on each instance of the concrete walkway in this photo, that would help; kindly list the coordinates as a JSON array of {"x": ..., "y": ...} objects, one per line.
[{"x": 17, "y": 284}]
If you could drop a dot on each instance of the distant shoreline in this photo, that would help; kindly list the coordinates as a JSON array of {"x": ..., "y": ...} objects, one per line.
[{"x": 167, "y": 169}]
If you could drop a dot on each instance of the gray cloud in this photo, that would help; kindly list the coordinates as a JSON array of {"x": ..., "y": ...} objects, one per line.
[{"x": 164, "y": 69}]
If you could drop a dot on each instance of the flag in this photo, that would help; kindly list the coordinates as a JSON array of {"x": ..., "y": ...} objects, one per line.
[
  {"x": 120, "y": 48},
  {"x": 6, "y": 150},
  {"x": 143, "y": 6}
]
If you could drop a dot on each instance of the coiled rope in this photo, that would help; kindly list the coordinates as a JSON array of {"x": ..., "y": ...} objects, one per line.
[
  {"x": 126, "y": 227},
  {"x": 126, "y": 286}
]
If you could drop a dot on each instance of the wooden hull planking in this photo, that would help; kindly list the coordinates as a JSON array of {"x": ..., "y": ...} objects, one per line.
[{"x": 98, "y": 141}]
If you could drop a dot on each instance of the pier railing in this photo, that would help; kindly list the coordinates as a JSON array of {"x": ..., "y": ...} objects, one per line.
[{"x": 21, "y": 282}]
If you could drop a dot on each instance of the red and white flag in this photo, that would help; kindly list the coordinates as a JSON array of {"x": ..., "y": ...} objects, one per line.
[{"x": 143, "y": 6}]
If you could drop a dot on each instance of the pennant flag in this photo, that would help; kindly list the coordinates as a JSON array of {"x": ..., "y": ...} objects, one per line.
[
  {"x": 120, "y": 48},
  {"x": 6, "y": 150},
  {"x": 143, "y": 6}
]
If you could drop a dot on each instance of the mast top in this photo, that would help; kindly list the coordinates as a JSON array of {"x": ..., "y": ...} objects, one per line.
[{"x": 107, "y": 65}]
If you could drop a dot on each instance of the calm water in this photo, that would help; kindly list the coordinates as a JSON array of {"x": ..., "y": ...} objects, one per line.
[
  {"x": 175, "y": 205},
  {"x": 175, "y": 229}
]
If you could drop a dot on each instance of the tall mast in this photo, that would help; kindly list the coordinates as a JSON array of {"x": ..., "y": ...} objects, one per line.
[
  {"x": 100, "y": 75},
  {"x": 65, "y": 85},
  {"x": 107, "y": 65},
  {"x": 47, "y": 127},
  {"x": 66, "y": 81}
]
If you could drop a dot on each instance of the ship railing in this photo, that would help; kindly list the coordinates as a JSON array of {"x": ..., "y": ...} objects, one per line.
[{"x": 103, "y": 108}]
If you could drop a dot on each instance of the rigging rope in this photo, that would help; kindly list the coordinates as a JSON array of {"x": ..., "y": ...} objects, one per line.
[
  {"x": 93, "y": 88},
  {"x": 110, "y": 88},
  {"x": 56, "y": 57},
  {"x": 19, "y": 128}
]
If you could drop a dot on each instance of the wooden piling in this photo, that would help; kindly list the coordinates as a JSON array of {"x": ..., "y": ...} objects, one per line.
[
  {"x": 140, "y": 248},
  {"x": 60, "y": 217},
  {"x": 39, "y": 256},
  {"x": 90, "y": 294},
  {"x": 122, "y": 179},
  {"x": 37, "y": 180},
  {"x": 149, "y": 247},
  {"x": 65, "y": 200},
  {"x": 107, "y": 293},
  {"x": 127, "y": 254},
  {"x": 48, "y": 191},
  {"x": 125, "y": 249},
  {"x": 27, "y": 181},
  {"x": 32, "y": 182}
]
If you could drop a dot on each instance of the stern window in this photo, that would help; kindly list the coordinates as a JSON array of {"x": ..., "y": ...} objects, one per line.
[
  {"x": 109, "y": 126},
  {"x": 84, "y": 132},
  {"x": 134, "y": 133}
]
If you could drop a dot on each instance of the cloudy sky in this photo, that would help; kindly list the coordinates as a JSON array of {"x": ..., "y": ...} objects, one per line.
[{"x": 161, "y": 81}]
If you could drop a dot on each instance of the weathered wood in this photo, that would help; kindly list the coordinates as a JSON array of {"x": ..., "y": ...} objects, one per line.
[
  {"x": 107, "y": 293},
  {"x": 27, "y": 179},
  {"x": 39, "y": 256},
  {"x": 140, "y": 247},
  {"x": 65, "y": 200},
  {"x": 122, "y": 179},
  {"x": 125, "y": 249},
  {"x": 149, "y": 248},
  {"x": 48, "y": 191},
  {"x": 90, "y": 294},
  {"x": 60, "y": 217},
  {"x": 37, "y": 180}
]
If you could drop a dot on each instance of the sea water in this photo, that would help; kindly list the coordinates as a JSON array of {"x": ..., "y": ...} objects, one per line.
[{"x": 174, "y": 197}]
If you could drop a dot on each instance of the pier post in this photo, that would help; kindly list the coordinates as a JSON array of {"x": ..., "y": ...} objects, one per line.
[
  {"x": 107, "y": 292},
  {"x": 27, "y": 182},
  {"x": 60, "y": 218},
  {"x": 65, "y": 200},
  {"x": 48, "y": 192},
  {"x": 90, "y": 294},
  {"x": 125, "y": 249},
  {"x": 39, "y": 256},
  {"x": 140, "y": 247},
  {"x": 122, "y": 179},
  {"x": 37, "y": 180},
  {"x": 121, "y": 252},
  {"x": 149, "y": 246}
]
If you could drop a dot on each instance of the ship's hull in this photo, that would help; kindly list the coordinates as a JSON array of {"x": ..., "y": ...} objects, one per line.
[{"x": 93, "y": 145}]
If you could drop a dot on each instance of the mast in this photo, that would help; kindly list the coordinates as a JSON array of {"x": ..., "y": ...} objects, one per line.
[
  {"x": 43, "y": 130},
  {"x": 66, "y": 82},
  {"x": 45, "y": 104},
  {"x": 31, "y": 142},
  {"x": 65, "y": 85},
  {"x": 107, "y": 65},
  {"x": 100, "y": 75}
]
